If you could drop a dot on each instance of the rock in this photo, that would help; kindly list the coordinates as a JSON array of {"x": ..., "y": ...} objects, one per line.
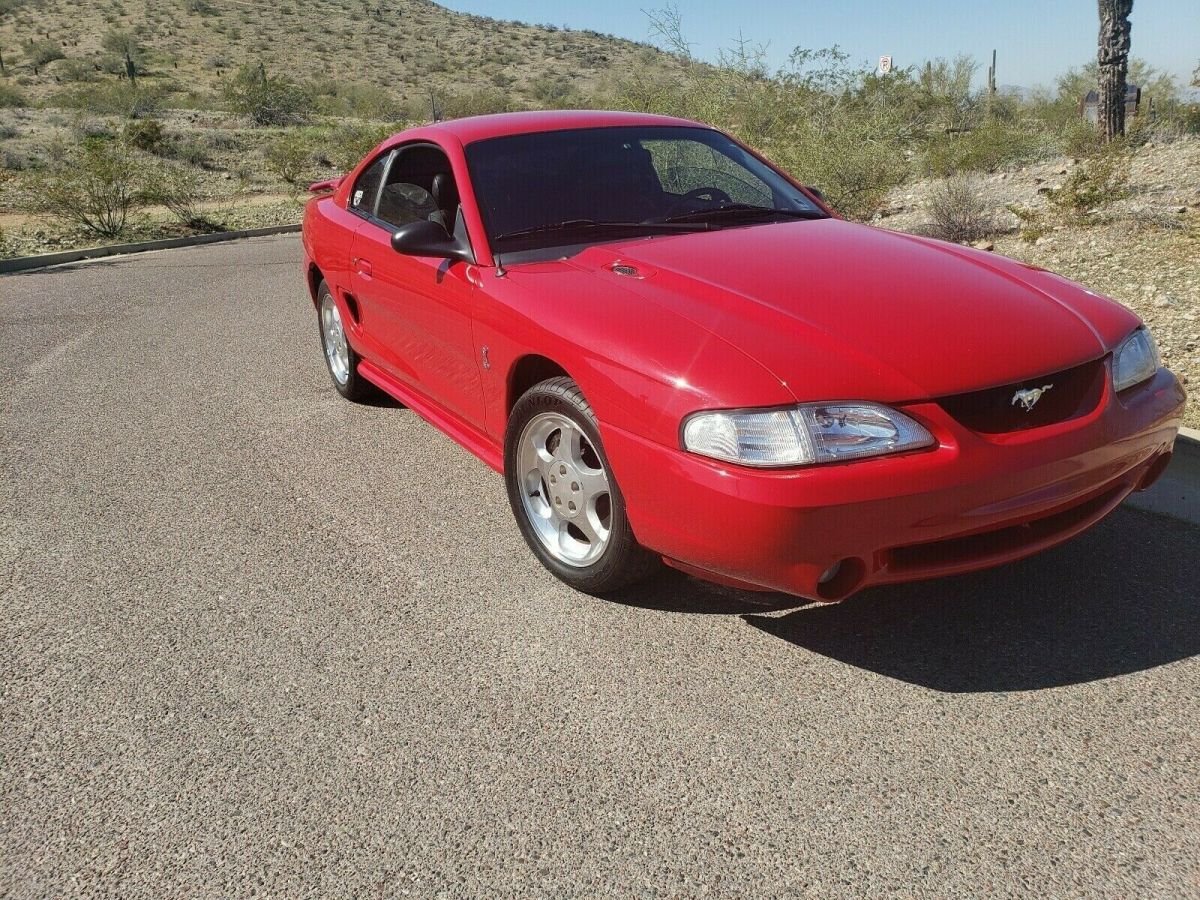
[
  {"x": 1180, "y": 210},
  {"x": 984, "y": 245},
  {"x": 1045, "y": 190},
  {"x": 1163, "y": 301}
]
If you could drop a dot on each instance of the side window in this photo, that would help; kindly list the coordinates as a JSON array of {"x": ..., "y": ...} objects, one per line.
[
  {"x": 419, "y": 186},
  {"x": 685, "y": 165},
  {"x": 362, "y": 198}
]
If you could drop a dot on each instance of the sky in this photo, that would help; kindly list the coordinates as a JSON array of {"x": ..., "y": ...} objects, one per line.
[{"x": 1035, "y": 40}]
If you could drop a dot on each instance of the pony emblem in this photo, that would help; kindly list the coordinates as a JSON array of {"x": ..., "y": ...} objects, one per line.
[{"x": 1028, "y": 397}]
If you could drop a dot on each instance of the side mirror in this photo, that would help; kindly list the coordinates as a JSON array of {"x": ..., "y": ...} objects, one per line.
[{"x": 426, "y": 238}]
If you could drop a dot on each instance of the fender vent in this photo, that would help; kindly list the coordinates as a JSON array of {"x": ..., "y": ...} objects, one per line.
[{"x": 626, "y": 270}]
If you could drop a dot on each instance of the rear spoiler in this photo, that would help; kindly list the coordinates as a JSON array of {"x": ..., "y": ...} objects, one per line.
[{"x": 329, "y": 184}]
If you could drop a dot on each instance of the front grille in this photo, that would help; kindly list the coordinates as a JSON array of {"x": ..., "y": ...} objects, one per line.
[{"x": 1072, "y": 393}]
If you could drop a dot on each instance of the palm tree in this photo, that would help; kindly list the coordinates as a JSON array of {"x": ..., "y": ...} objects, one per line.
[{"x": 1112, "y": 54}]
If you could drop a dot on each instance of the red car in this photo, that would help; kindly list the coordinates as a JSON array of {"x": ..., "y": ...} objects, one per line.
[{"x": 672, "y": 350}]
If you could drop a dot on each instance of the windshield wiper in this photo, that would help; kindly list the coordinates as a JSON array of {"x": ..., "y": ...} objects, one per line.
[
  {"x": 594, "y": 225},
  {"x": 740, "y": 210}
]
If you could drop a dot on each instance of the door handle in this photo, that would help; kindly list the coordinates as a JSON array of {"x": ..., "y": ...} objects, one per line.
[{"x": 362, "y": 266}]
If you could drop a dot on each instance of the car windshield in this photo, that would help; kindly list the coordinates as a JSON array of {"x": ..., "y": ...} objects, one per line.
[{"x": 557, "y": 189}]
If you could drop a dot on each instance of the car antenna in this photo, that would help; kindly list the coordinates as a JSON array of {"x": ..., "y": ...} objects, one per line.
[{"x": 500, "y": 270}]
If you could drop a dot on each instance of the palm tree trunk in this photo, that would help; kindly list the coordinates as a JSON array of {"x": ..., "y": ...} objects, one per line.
[{"x": 1112, "y": 53}]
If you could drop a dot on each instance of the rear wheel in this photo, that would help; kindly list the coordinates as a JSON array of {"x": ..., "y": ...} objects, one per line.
[
  {"x": 563, "y": 493},
  {"x": 340, "y": 358}
]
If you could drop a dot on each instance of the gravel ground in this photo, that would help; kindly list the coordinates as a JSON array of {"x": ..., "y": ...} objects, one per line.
[{"x": 256, "y": 640}]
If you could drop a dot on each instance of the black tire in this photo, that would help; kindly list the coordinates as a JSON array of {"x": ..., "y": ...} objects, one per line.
[
  {"x": 623, "y": 561},
  {"x": 354, "y": 387}
]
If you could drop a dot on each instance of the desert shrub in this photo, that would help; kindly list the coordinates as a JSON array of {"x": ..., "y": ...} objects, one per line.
[
  {"x": 346, "y": 145},
  {"x": 266, "y": 99},
  {"x": 11, "y": 95},
  {"x": 288, "y": 157},
  {"x": 556, "y": 92},
  {"x": 145, "y": 134},
  {"x": 959, "y": 212},
  {"x": 42, "y": 52},
  {"x": 339, "y": 98},
  {"x": 119, "y": 98},
  {"x": 190, "y": 150},
  {"x": 1033, "y": 223},
  {"x": 180, "y": 190},
  {"x": 476, "y": 103},
  {"x": 78, "y": 70},
  {"x": 992, "y": 146},
  {"x": 97, "y": 186},
  {"x": 1096, "y": 182},
  {"x": 119, "y": 45}
]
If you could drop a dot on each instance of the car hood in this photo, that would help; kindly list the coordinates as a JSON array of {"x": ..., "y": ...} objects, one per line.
[{"x": 839, "y": 310}]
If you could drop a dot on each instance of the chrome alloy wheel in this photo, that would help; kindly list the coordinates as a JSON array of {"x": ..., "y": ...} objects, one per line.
[
  {"x": 565, "y": 490},
  {"x": 333, "y": 335}
]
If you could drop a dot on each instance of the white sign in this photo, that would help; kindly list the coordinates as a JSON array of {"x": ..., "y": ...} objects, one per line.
[{"x": 885, "y": 64}]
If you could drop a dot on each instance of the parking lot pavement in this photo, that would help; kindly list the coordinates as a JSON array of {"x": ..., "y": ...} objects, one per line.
[{"x": 256, "y": 639}]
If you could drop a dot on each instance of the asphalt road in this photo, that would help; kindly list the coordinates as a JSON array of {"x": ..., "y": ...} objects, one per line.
[{"x": 255, "y": 639}]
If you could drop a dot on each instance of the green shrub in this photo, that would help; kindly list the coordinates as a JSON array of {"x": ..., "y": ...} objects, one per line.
[
  {"x": 42, "y": 52},
  {"x": 475, "y": 103},
  {"x": 79, "y": 70},
  {"x": 1096, "y": 182},
  {"x": 10, "y": 95},
  {"x": 266, "y": 99},
  {"x": 288, "y": 157},
  {"x": 97, "y": 186},
  {"x": 366, "y": 101},
  {"x": 145, "y": 134},
  {"x": 346, "y": 145},
  {"x": 118, "y": 98},
  {"x": 989, "y": 148}
]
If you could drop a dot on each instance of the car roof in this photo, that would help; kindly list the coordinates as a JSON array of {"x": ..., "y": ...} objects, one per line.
[{"x": 478, "y": 128}]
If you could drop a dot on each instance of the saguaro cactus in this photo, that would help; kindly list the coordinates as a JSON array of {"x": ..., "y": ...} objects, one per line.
[{"x": 1112, "y": 53}]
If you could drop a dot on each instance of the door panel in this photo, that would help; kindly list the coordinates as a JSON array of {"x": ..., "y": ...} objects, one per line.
[{"x": 418, "y": 313}]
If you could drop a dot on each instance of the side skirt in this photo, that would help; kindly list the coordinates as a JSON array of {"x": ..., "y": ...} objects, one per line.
[{"x": 450, "y": 425}]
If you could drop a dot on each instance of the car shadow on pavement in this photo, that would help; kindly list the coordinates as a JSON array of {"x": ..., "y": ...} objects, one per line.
[{"x": 1121, "y": 598}]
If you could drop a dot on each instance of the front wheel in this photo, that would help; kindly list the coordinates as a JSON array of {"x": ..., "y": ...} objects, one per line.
[{"x": 563, "y": 493}]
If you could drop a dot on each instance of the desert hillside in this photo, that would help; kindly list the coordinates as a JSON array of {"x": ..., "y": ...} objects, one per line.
[{"x": 402, "y": 48}]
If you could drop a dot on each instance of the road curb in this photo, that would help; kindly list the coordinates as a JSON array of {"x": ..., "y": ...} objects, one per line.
[{"x": 41, "y": 261}]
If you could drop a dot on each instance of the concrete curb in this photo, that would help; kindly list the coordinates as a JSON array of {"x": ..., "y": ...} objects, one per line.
[
  {"x": 1177, "y": 492},
  {"x": 25, "y": 263}
]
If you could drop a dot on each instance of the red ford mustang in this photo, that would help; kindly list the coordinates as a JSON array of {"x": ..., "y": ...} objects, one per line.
[{"x": 672, "y": 350}]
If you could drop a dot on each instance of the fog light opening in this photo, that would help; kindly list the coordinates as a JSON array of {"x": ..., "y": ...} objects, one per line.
[
  {"x": 1154, "y": 472},
  {"x": 841, "y": 579}
]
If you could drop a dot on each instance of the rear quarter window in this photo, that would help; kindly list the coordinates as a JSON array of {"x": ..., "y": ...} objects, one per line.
[{"x": 366, "y": 188}]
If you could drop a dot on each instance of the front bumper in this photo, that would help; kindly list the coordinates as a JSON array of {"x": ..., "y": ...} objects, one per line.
[{"x": 971, "y": 502}]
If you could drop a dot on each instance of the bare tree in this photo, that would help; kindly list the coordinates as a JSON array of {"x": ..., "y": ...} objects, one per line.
[{"x": 1112, "y": 53}]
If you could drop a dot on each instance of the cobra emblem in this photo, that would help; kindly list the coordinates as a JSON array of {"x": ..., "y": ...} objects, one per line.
[{"x": 1028, "y": 397}]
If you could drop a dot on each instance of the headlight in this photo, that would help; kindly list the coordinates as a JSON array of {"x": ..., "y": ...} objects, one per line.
[
  {"x": 801, "y": 435},
  {"x": 1135, "y": 361}
]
